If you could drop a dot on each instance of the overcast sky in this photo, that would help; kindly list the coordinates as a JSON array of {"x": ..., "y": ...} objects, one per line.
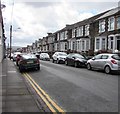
[{"x": 33, "y": 19}]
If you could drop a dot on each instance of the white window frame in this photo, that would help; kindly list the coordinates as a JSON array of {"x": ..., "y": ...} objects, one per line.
[
  {"x": 118, "y": 22},
  {"x": 87, "y": 30},
  {"x": 103, "y": 44},
  {"x": 83, "y": 44},
  {"x": 100, "y": 45},
  {"x": 58, "y": 36},
  {"x": 111, "y": 24},
  {"x": 101, "y": 26},
  {"x": 73, "y": 32},
  {"x": 66, "y": 32},
  {"x": 79, "y": 31}
]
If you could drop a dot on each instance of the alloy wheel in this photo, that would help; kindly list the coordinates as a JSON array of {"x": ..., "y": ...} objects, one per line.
[
  {"x": 76, "y": 65},
  {"x": 88, "y": 66},
  {"x": 66, "y": 63},
  {"x": 107, "y": 69}
]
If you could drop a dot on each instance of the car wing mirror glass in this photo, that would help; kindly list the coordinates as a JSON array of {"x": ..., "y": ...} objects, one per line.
[
  {"x": 93, "y": 58},
  {"x": 73, "y": 57}
]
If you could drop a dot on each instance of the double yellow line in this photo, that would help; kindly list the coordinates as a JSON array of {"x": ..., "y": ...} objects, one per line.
[{"x": 45, "y": 97}]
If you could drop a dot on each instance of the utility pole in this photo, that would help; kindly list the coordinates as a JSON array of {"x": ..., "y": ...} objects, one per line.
[{"x": 10, "y": 40}]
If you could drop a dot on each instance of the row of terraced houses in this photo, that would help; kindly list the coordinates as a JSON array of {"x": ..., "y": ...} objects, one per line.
[
  {"x": 2, "y": 36},
  {"x": 99, "y": 33}
]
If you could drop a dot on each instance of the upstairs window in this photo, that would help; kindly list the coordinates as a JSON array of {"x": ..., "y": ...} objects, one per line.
[
  {"x": 101, "y": 26},
  {"x": 81, "y": 31},
  {"x": 118, "y": 22},
  {"x": 73, "y": 33},
  {"x": 86, "y": 30},
  {"x": 111, "y": 23}
]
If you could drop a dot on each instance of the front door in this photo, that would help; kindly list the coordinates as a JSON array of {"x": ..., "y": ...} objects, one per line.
[{"x": 118, "y": 43}]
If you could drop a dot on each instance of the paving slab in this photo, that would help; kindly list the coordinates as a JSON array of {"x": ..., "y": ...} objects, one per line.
[{"x": 16, "y": 96}]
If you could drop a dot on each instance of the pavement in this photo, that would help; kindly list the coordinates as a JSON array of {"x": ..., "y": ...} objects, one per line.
[{"x": 15, "y": 94}]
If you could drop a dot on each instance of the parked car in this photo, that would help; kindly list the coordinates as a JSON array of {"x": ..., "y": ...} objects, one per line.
[
  {"x": 45, "y": 56},
  {"x": 15, "y": 55},
  {"x": 107, "y": 62},
  {"x": 59, "y": 57},
  {"x": 75, "y": 59},
  {"x": 37, "y": 55},
  {"x": 10, "y": 56},
  {"x": 18, "y": 58},
  {"x": 28, "y": 61}
]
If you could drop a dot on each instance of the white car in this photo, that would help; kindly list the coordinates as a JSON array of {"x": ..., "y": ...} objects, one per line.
[
  {"x": 107, "y": 62},
  {"x": 59, "y": 57},
  {"x": 45, "y": 56},
  {"x": 15, "y": 55}
]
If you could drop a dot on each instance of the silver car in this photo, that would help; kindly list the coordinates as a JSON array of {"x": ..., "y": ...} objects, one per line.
[{"x": 107, "y": 62}]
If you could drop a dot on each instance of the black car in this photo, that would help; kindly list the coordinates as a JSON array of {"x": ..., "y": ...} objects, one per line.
[
  {"x": 75, "y": 59},
  {"x": 28, "y": 61}
]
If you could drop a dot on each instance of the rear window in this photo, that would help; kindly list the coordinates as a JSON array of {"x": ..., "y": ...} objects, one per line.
[
  {"x": 117, "y": 57},
  {"x": 62, "y": 54},
  {"x": 29, "y": 56}
]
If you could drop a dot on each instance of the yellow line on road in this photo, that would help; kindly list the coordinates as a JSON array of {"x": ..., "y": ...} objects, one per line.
[
  {"x": 45, "y": 96},
  {"x": 47, "y": 103}
]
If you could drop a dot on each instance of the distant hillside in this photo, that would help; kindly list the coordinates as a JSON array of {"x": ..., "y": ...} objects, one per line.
[{"x": 14, "y": 48}]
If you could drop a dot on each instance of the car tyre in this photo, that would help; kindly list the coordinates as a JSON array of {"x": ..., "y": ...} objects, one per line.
[
  {"x": 20, "y": 69},
  {"x": 53, "y": 60},
  {"x": 38, "y": 68},
  {"x": 66, "y": 62},
  {"x": 107, "y": 69},
  {"x": 76, "y": 64},
  {"x": 89, "y": 66},
  {"x": 57, "y": 61}
]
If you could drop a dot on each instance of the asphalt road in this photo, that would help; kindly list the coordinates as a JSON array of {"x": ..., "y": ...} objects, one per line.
[{"x": 78, "y": 89}]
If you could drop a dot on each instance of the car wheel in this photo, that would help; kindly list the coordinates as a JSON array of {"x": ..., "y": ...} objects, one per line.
[
  {"x": 107, "y": 69},
  {"x": 57, "y": 61},
  {"x": 66, "y": 63},
  {"x": 53, "y": 60},
  {"x": 38, "y": 68},
  {"x": 76, "y": 64},
  {"x": 89, "y": 66},
  {"x": 20, "y": 69}
]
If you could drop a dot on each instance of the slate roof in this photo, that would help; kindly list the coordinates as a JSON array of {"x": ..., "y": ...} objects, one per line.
[{"x": 110, "y": 13}]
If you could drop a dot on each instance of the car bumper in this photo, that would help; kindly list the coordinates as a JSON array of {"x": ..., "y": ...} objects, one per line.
[
  {"x": 29, "y": 66},
  {"x": 62, "y": 60},
  {"x": 82, "y": 64}
]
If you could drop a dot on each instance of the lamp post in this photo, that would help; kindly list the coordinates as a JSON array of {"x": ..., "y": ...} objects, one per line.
[{"x": 10, "y": 40}]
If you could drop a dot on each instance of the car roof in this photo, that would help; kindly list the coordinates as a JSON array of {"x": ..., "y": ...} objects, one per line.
[
  {"x": 29, "y": 56},
  {"x": 44, "y": 53},
  {"x": 108, "y": 54}
]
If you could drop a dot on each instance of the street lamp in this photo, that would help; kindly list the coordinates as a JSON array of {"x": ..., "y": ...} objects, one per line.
[{"x": 10, "y": 40}]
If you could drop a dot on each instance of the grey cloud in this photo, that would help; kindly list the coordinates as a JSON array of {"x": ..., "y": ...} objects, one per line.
[
  {"x": 20, "y": 42},
  {"x": 98, "y": 6},
  {"x": 41, "y": 4}
]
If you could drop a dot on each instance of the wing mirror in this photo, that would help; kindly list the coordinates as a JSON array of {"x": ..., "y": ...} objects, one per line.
[
  {"x": 73, "y": 57},
  {"x": 93, "y": 58}
]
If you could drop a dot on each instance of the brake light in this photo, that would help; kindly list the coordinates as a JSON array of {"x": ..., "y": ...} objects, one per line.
[
  {"x": 113, "y": 61},
  {"x": 23, "y": 62},
  {"x": 37, "y": 61}
]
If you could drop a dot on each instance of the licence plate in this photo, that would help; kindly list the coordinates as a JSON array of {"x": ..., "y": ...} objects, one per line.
[{"x": 30, "y": 62}]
